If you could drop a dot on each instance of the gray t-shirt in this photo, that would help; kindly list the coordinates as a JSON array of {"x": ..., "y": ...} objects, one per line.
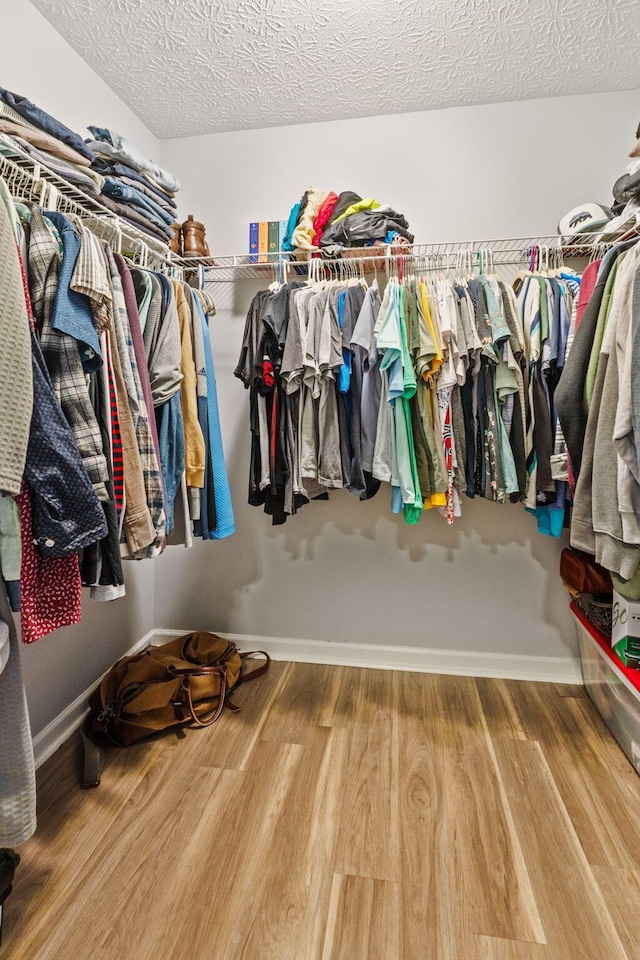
[{"x": 365, "y": 354}]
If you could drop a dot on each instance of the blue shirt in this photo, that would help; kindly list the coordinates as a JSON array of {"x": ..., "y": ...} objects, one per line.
[
  {"x": 72, "y": 310},
  {"x": 344, "y": 376}
]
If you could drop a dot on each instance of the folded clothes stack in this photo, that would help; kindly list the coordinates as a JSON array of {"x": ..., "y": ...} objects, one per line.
[
  {"x": 47, "y": 140},
  {"x": 106, "y": 167},
  {"x": 134, "y": 187},
  {"x": 334, "y": 223}
]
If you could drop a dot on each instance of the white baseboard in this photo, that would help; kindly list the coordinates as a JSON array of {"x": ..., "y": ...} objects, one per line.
[
  {"x": 71, "y": 719},
  {"x": 415, "y": 659}
]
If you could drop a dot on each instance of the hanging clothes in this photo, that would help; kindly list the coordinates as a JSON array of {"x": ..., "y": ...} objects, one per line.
[
  {"x": 104, "y": 366},
  {"x": 604, "y": 455},
  {"x": 440, "y": 388}
]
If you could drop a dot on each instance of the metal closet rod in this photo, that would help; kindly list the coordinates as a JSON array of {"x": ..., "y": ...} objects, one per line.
[
  {"x": 503, "y": 251},
  {"x": 29, "y": 179}
]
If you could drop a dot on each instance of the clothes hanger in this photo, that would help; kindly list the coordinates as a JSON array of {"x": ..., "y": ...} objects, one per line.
[
  {"x": 595, "y": 252},
  {"x": 387, "y": 261},
  {"x": 445, "y": 266},
  {"x": 145, "y": 252},
  {"x": 274, "y": 285},
  {"x": 461, "y": 266},
  {"x": 457, "y": 269},
  {"x": 559, "y": 258},
  {"x": 312, "y": 269}
]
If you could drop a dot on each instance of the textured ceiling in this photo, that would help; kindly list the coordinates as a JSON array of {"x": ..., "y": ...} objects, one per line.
[{"x": 199, "y": 66}]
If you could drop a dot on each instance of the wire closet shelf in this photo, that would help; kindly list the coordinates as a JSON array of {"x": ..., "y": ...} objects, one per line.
[
  {"x": 485, "y": 255},
  {"x": 30, "y": 180}
]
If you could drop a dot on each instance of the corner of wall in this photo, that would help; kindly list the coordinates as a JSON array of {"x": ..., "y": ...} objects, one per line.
[{"x": 73, "y": 91}]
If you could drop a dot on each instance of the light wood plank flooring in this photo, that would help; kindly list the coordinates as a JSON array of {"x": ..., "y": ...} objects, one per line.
[{"x": 344, "y": 814}]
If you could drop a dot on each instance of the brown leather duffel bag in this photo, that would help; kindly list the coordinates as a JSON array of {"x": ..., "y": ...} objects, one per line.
[{"x": 185, "y": 681}]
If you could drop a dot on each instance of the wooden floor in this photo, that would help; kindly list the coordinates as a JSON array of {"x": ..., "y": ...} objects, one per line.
[{"x": 345, "y": 814}]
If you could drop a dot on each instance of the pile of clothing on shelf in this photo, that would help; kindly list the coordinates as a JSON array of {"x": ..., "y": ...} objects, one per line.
[
  {"x": 626, "y": 189},
  {"x": 135, "y": 188},
  {"x": 105, "y": 167},
  {"x": 439, "y": 387},
  {"x": 601, "y": 222},
  {"x": 110, "y": 442},
  {"x": 331, "y": 223},
  {"x": 47, "y": 141}
]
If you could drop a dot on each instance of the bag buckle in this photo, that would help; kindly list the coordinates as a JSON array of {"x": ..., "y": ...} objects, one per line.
[{"x": 105, "y": 716}]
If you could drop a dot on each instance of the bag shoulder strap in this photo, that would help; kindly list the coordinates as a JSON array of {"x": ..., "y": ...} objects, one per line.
[{"x": 259, "y": 671}]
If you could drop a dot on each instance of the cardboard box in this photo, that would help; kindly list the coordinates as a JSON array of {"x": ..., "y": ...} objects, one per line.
[{"x": 625, "y": 630}]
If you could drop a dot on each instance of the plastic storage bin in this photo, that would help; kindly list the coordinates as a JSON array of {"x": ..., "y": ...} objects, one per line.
[{"x": 614, "y": 689}]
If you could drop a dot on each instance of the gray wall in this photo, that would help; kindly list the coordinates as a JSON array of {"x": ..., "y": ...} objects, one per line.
[
  {"x": 349, "y": 571},
  {"x": 60, "y": 667}
]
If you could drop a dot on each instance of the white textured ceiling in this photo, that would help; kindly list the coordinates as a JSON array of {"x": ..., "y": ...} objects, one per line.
[{"x": 199, "y": 66}]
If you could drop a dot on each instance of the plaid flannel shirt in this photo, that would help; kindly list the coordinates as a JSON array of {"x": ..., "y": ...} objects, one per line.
[
  {"x": 91, "y": 277},
  {"x": 62, "y": 354}
]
